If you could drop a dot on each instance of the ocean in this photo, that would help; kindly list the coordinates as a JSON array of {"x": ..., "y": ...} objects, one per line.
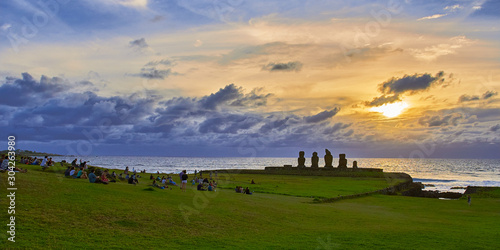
[{"x": 437, "y": 174}]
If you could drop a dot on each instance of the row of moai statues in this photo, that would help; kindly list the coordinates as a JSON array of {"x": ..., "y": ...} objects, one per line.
[{"x": 328, "y": 160}]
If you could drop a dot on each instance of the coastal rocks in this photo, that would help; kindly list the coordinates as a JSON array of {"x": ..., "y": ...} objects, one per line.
[{"x": 415, "y": 190}]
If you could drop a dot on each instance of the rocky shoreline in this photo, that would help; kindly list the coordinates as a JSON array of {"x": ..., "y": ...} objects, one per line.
[{"x": 416, "y": 190}]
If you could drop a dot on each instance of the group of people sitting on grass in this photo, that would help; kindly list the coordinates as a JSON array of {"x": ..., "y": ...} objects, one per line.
[
  {"x": 45, "y": 162},
  {"x": 204, "y": 184},
  {"x": 71, "y": 172},
  {"x": 239, "y": 189},
  {"x": 4, "y": 165}
]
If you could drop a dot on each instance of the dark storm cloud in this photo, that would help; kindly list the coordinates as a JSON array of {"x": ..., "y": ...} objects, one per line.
[
  {"x": 139, "y": 43},
  {"x": 411, "y": 84},
  {"x": 321, "y": 116},
  {"x": 32, "y": 91},
  {"x": 290, "y": 66},
  {"x": 229, "y": 93},
  {"x": 223, "y": 118},
  {"x": 394, "y": 88}
]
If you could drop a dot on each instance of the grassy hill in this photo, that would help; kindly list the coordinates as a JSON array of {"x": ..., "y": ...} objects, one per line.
[{"x": 57, "y": 212}]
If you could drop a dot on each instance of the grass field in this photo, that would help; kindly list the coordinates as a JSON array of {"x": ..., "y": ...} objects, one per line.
[{"x": 57, "y": 212}]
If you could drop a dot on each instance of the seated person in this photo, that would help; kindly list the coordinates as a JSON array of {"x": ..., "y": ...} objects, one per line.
[
  {"x": 79, "y": 174},
  {"x": 172, "y": 181},
  {"x": 84, "y": 175},
  {"x": 66, "y": 173},
  {"x": 200, "y": 187},
  {"x": 151, "y": 177},
  {"x": 154, "y": 184},
  {"x": 210, "y": 188},
  {"x": 72, "y": 171},
  {"x": 247, "y": 191},
  {"x": 113, "y": 174},
  {"x": 131, "y": 181},
  {"x": 104, "y": 177},
  {"x": 92, "y": 176}
]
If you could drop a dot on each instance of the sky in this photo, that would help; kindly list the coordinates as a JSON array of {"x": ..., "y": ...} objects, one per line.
[{"x": 240, "y": 78}]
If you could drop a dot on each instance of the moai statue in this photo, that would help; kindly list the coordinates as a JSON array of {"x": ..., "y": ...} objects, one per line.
[
  {"x": 328, "y": 159},
  {"x": 301, "y": 160},
  {"x": 342, "y": 161},
  {"x": 354, "y": 164},
  {"x": 314, "y": 160}
]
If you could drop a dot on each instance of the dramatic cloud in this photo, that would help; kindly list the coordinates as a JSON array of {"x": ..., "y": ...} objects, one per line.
[
  {"x": 411, "y": 84},
  {"x": 35, "y": 91},
  {"x": 290, "y": 66},
  {"x": 408, "y": 84},
  {"x": 220, "y": 119},
  {"x": 229, "y": 93}
]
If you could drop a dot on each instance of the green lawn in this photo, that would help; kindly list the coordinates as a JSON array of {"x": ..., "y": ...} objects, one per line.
[
  {"x": 305, "y": 186},
  {"x": 56, "y": 212}
]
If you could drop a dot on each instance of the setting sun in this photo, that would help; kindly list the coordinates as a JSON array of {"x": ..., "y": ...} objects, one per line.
[{"x": 391, "y": 109}]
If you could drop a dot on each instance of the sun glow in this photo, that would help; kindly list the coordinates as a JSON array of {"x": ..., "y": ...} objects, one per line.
[{"x": 391, "y": 109}]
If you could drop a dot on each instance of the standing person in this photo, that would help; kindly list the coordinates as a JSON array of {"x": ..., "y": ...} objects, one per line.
[
  {"x": 195, "y": 173},
  {"x": 184, "y": 181},
  {"x": 468, "y": 199}
]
